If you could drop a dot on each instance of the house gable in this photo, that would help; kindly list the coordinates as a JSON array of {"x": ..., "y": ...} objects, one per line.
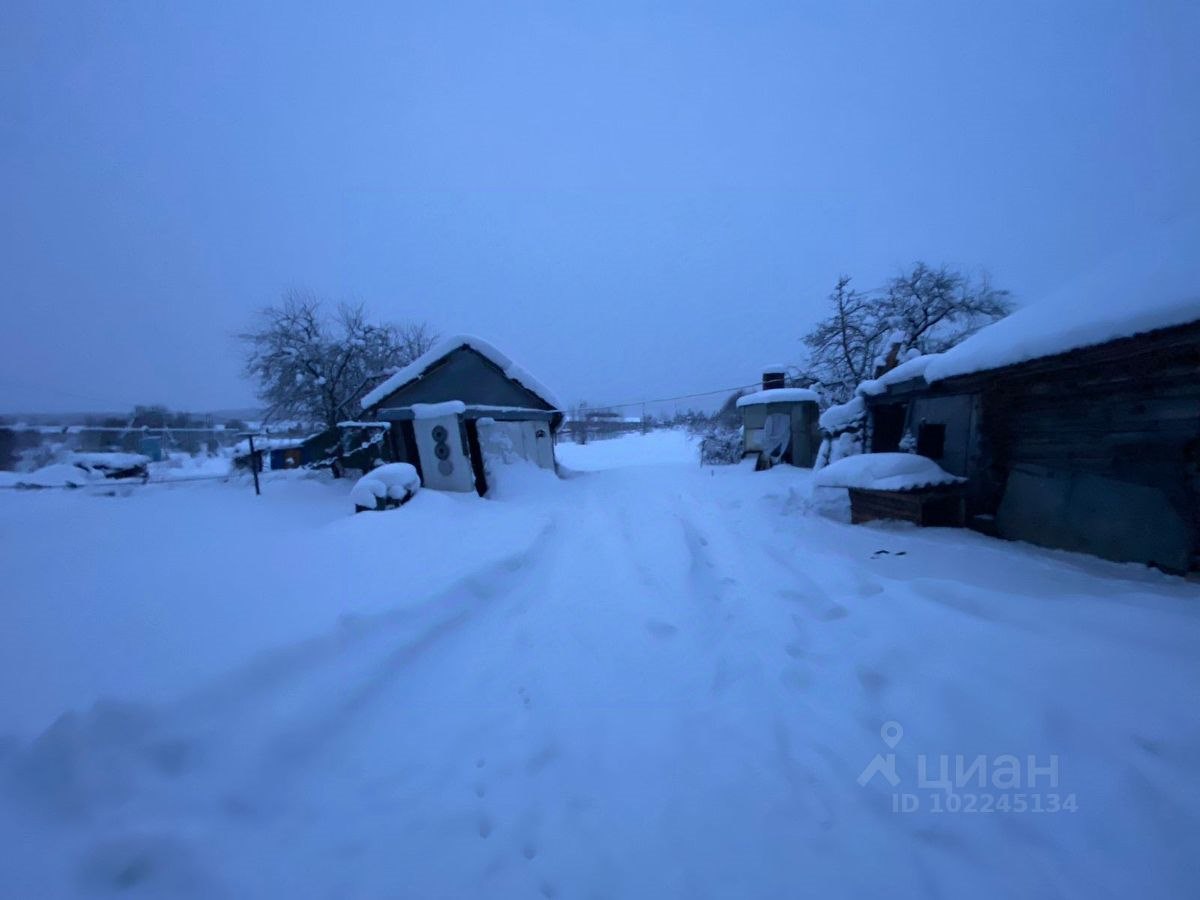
[{"x": 467, "y": 375}]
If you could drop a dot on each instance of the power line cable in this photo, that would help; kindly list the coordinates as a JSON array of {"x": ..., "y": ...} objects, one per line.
[{"x": 740, "y": 387}]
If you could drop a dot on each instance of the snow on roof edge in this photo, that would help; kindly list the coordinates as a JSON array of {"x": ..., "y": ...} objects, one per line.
[
  {"x": 885, "y": 472},
  {"x": 779, "y": 395},
  {"x": 419, "y": 366},
  {"x": 913, "y": 368},
  {"x": 1153, "y": 284}
]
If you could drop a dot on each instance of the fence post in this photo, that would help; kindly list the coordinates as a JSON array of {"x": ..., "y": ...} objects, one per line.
[{"x": 254, "y": 466}]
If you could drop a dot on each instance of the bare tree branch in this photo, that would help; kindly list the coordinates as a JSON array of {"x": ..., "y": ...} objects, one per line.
[{"x": 314, "y": 367}]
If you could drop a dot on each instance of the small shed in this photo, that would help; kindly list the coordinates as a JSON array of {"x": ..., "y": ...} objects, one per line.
[
  {"x": 779, "y": 424},
  {"x": 457, "y": 399}
]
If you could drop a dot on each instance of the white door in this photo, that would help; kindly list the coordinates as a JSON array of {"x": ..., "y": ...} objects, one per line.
[
  {"x": 445, "y": 465},
  {"x": 540, "y": 443}
]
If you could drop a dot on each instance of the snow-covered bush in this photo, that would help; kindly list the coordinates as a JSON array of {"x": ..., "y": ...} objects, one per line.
[
  {"x": 387, "y": 486},
  {"x": 842, "y": 429},
  {"x": 721, "y": 446}
]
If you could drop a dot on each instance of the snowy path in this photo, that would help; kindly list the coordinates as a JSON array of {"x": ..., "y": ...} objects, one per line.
[{"x": 669, "y": 690}]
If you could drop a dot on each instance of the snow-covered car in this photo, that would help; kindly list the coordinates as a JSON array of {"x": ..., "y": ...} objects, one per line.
[
  {"x": 114, "y": 465},
  {"x": 68, "y": 475}
]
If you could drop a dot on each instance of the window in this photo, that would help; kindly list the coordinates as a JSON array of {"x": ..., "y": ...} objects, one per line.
[{"x": 931, "y": 440}]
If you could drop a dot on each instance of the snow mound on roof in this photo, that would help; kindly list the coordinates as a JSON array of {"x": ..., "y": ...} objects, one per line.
[
  {"x": 418, "y": 367},
  {"x": 840, "y": 417},
  {"x": 884, "y": 472},
  {"x": 1154, "y": 284},
  {"x": 913, "y": 368},
  {"x": 393, "y": 481},
  {"x": 779, "y": 395}
]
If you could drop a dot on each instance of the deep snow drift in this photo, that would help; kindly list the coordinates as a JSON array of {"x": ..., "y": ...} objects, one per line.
[{"x": 649, "y": 680}]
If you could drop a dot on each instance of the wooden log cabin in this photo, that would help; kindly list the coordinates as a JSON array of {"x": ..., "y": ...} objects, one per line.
[{"x": 1095, "y": 448}]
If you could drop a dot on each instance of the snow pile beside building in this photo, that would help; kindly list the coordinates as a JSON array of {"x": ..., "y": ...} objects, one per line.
[
  {"x": 394, "y": 481},
  {"x": 1155, "y": 284},
  {"x": 884, "y": 472},
  {"x": 843, "y": 416}
]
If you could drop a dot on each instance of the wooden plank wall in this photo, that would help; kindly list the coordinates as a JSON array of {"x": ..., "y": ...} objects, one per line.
[{"x": 1128, "y": 410}]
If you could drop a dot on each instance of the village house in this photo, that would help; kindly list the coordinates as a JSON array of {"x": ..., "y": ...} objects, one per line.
[
  {"x": 450, "y": 405},
  {"x": 1076, "y": 421}
]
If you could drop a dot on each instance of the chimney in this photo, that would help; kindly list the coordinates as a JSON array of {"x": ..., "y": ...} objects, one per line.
[{"x": 773, "y": 377}]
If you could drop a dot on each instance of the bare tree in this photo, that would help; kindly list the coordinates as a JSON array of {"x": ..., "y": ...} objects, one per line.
[
  {"x": 313, "y": 366},
  {"x": 843, "y": 347},
  {"x": 922, "y": 310},
  {"x": 931, "y": 310}
]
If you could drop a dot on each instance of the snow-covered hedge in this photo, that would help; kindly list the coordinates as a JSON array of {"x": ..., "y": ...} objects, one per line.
[
  {"x": 884, "y": 472},
  {"x": 389, "y": 485}
]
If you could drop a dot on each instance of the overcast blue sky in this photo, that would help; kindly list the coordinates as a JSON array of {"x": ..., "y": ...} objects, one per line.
[{"x": 633, "y": 200}]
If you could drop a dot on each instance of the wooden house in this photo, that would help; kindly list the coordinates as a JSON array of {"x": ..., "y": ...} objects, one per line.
[
  {"x": 1076, "y": 422},
  {"x": 461, "y": 396}
]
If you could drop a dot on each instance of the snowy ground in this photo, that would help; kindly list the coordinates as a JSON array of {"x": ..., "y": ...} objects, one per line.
[{"x": 646, "y": 680}]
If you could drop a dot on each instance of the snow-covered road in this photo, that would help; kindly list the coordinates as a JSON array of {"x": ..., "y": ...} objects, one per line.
[{"x": 648, "y": 680}]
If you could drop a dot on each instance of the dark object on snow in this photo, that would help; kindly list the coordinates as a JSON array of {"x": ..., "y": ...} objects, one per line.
[
  {"x": 385, "y": 502},
  {"x": 931, "y": 506},
  {"x": 114, "y": 465},
  {"x": 287, "y": 458}
]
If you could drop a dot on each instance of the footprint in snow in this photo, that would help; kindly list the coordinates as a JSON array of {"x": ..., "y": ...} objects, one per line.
[
  {"x": 661, "y": 629},
  {"x": 872, "y": 680}
]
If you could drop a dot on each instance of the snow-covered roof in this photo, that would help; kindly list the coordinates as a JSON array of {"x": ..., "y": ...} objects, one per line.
[
  {"x": 840, "y": 417},
  {"x": 913, "y": 368},
  {"x": 418, "y": 367},
  {"x": 266, "y": 443},
  {"x": 437, "y": 410},
  {"x": 884, "y": 472},
  {"x": 779, "y": 395},
  {"x": 1155, "y": 284}
]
